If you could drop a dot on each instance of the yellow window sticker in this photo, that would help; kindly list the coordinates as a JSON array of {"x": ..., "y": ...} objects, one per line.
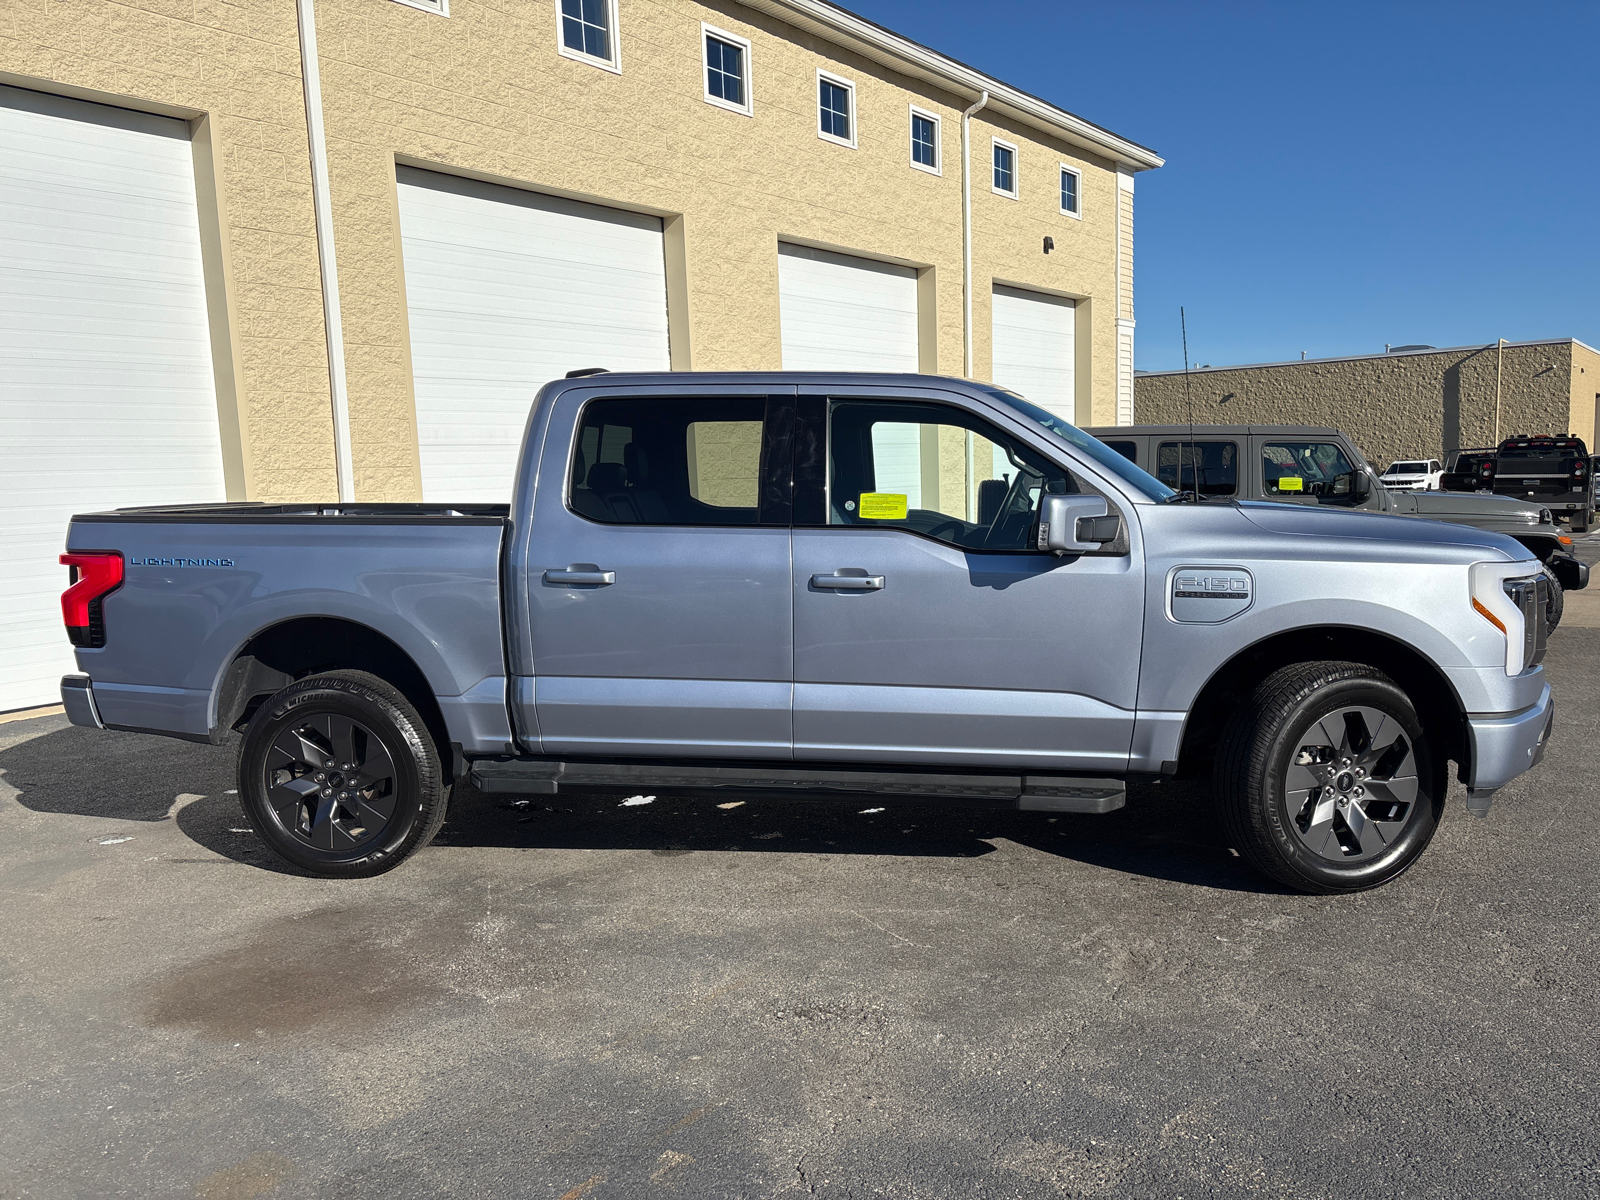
[
  {"x": 883, "y": 506},
  {"x": 1291, "y": 483}
]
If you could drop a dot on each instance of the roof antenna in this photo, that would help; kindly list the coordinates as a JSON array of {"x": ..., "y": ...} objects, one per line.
[{"x": 1194, "y": 468}]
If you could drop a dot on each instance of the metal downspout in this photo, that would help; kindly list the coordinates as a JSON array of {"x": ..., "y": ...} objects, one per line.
[
  {"x": 311, "y": 77},
  {"x": 966, "y": 235}
]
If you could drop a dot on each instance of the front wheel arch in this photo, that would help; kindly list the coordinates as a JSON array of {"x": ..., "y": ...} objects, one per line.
[{"x": 1431, "y": 693}]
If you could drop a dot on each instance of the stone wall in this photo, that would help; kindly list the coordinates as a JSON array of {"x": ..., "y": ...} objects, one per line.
[{"x": 1412, "y": 405}]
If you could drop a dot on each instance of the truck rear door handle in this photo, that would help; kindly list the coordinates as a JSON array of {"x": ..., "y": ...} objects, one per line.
[
  {"x": 842, "y": 582},
  {"x": 580, "y": 573}
]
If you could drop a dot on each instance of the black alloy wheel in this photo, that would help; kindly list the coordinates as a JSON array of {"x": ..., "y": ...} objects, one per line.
[
  {"x": 1326, "y": 779},
  {"x": 1350, "y": 786},
  {"x": 330, "y": 782},
  {"x": 339, "y": 776}
]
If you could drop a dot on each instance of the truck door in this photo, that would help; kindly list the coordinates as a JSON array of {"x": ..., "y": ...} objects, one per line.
[
  {"x": 657, "y": 579},
  {"x": 928, "y": 629}
]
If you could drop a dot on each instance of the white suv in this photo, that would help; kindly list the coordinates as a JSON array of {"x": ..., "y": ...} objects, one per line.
[{"x": 1413, "y": 475}]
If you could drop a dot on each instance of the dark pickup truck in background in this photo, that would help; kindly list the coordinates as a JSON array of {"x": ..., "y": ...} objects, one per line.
[{"x": 1552, "y": 471}]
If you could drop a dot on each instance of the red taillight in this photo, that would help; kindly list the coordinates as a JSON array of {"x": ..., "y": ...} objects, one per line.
[
  {"x": 1577, "y": 470},
  {"x": 95, "y": 575}
]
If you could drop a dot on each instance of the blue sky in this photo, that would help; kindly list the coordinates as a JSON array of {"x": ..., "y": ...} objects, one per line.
[{"x": 1339, "y": 175}]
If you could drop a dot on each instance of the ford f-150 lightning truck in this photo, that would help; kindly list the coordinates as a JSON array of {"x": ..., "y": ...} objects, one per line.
[{"x": 886, "y": 585}]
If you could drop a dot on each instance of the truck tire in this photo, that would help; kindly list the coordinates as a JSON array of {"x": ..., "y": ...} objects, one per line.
[
  {"x": 1326, "y": 779},
  {"x": 1582, "y": 520},
  {"x": 339, "y": 776},
  {"x": 1557, "y": 601}
]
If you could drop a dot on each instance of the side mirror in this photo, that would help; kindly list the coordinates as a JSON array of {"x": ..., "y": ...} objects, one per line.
[
  {"x": 1360, "y": 485},
  {"x": 1075, "y": 524}
]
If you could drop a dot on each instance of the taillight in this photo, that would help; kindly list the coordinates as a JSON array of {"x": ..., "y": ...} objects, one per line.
[
  {"x": 95, "y": 575},
  {"x": 1578, "y": 469}
]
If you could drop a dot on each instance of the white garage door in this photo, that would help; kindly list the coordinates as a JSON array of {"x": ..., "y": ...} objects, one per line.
[
  {"x": 106, "y": 392},
  {"x": 1033, "y": 348},
  {"x": 507, "y": 290},
  {"x": 841, "y": 313}
]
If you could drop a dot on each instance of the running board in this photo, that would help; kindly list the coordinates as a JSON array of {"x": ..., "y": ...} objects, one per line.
[{"x": 1028, "y": 793}]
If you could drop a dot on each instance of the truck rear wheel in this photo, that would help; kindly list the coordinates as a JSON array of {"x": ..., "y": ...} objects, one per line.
[
  {"x": 339, "y": 776},
  {"x": 1326, "y": 778}
]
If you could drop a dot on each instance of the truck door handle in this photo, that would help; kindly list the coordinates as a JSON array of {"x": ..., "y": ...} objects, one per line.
[
  {"x": 580, "y": 573},
  {"x": 844, "y": 581}
]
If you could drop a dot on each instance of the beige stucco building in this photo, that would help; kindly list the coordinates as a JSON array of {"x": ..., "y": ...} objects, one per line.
[
  {"x": 1408, "y": 404},
  {"x": 490, "y": 91}
]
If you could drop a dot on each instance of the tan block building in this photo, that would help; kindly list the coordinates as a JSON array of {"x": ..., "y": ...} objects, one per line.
[
  {"x": 1406, "y": 404},
  {"x": 212, "y": 288}
]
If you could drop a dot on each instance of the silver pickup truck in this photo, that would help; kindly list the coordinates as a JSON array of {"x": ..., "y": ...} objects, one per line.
[{"x": 905, "y": 586}]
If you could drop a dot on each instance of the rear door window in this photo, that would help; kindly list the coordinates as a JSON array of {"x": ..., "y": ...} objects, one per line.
[
  {"x": 1205, "y": 468},
  {"x": 677, "y": 461},
  {"x": 1317, "y": 471}
]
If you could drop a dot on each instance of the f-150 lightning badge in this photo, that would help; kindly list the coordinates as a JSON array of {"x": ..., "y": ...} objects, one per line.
[{"x": 1209, "y": 595}]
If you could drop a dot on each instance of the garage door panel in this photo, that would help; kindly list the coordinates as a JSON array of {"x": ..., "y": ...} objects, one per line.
[
  {"x": 1034, "y": 348},
  {"x": 507, "y": 290},
  {"x": 107, "y": 396},
  {"x": 842, "y": 313}
]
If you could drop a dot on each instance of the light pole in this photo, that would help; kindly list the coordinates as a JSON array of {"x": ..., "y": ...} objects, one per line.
[{"x": 1499, "y": 354}]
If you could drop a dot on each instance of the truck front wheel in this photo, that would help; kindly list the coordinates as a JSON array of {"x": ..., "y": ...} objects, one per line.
[
  {"x": 339, "y": 776},
  {"x": 1326, "y": 779}
]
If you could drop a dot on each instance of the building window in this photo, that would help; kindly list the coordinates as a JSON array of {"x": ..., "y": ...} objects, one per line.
[
  {"x": 589, "y": 31},
  {"x": 1071, "y": 191},
  {"x": 836, "y": 103},
  {"x": 727, "y": 69},
  {"x": 439, "y": 8},
  {"x": 925, "y": 141},
  {"x": 1005, "y": 168}
]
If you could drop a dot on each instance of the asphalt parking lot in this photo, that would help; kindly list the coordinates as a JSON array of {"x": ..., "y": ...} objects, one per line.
[{"x": 580, "y": 998}]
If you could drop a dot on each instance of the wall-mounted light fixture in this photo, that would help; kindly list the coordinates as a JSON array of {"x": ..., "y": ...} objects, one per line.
[{"x": 1049, "y": 244}]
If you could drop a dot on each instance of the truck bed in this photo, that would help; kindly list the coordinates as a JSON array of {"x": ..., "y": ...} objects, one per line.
[{"x": 207, "y": 588}]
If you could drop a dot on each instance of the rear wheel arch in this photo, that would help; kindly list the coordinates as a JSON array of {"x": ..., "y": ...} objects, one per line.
[
  {"x": 1436, "y": 701},
  {"x": 280, "y": 654}
]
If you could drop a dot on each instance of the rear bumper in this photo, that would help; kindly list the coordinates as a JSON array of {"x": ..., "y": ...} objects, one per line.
[
  {"x": 77, "y": 697},
  {"x": 1503, "y": 746}
]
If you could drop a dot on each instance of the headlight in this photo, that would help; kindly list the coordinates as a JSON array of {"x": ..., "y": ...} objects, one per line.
[
  {"x": 1546, "y": 517},
  {"x": 1511, "y": 600}
]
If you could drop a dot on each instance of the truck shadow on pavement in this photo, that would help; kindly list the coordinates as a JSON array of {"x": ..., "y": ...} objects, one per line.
[{"x": 1165, "y": 832}]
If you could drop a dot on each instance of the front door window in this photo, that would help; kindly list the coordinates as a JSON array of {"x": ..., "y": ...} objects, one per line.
[
  {"x": 935, "y": 471},
  {"x": 1317, "y": 471}
]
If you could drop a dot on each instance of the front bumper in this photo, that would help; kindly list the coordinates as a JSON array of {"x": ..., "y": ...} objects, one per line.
[{"x": 1503, "y": 746}]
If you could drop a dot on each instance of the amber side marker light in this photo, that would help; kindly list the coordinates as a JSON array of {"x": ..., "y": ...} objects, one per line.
[{"x": 1488, "y": 616}]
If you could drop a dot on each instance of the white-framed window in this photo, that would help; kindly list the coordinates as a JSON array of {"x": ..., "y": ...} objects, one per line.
[
  {"x": 587, "y": 31},
  {"x": 925, "y": 128},
  {"x": 836, "y": 109},
  {"x": 439, "y": 8},
  {"x": 1071, "y": 191},
  {"x": 727, "y": 68},
  {"x": 1005, "y": 168}
]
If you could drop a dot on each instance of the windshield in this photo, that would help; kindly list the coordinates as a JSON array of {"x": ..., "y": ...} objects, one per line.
[
  {"x": 1408, "y": 468},
  {"x": 1104, "y": 456}
]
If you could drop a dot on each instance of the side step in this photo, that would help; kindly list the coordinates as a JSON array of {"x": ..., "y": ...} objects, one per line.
[{"x": 1027, "y": 793}]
